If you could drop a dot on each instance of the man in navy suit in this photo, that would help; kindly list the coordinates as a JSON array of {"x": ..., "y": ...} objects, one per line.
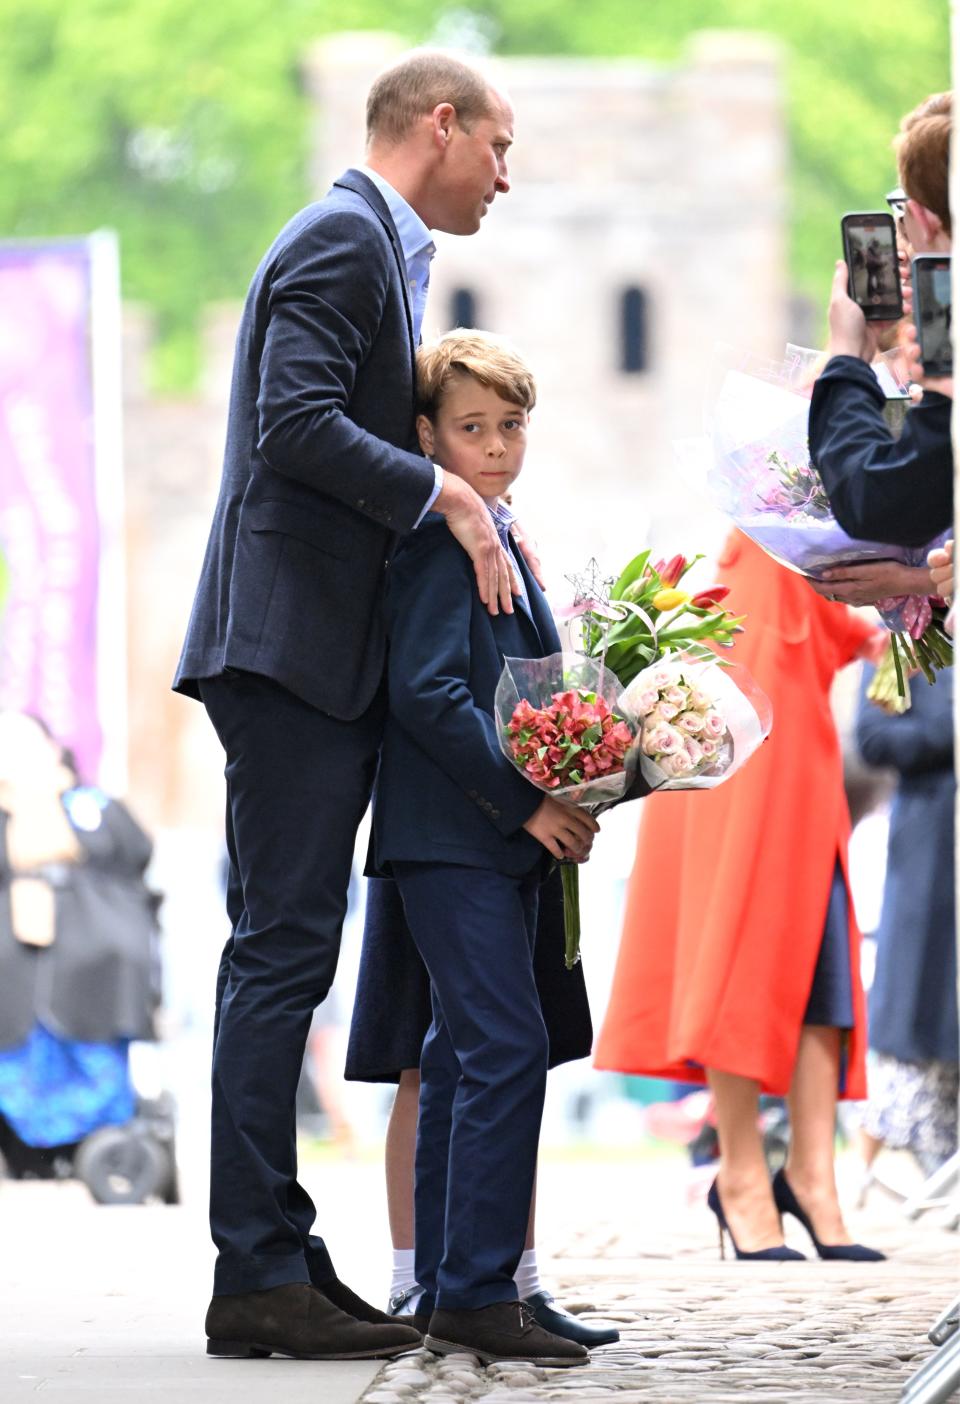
[
  {"x": 286, "y": 650},
  {"x": 466, "y": 836}
]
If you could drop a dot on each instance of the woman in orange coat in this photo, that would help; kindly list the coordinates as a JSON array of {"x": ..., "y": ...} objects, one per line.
[{"x": 739, "y": 961}]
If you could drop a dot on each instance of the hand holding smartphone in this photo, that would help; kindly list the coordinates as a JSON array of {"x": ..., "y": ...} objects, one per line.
[
  {"x": 932, "y": 312},
  {"x": 870, "y": 251}
]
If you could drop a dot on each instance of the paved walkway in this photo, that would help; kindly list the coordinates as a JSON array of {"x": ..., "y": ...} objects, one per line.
[
  {"x": 694, "y": 1328},
  {"x": 108, "y": 1303}
]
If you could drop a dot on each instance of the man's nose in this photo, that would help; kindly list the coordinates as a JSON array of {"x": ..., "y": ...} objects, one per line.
[{"x": 503, "y": 179}]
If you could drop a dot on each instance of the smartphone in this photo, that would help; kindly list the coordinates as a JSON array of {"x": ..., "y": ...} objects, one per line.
[
  {"x": 932, "y": 305},
  {"x": 870, "y": 250}
]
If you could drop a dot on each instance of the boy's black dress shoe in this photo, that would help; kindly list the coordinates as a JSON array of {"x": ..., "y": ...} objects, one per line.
[
  {"x": 553, "y": 1318},
  {"x": 299, "y": 1321},
  {"x": 501, "y": 1331},
  {"x": 419, "y": 1320}
]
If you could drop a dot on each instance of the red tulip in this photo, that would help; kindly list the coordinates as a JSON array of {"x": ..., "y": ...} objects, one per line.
[
  {"x": 710, "y": 597},
  {"x": 671, "y": 572}
]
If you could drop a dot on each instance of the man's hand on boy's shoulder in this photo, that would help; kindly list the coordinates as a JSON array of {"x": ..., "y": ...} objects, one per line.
[{"x": 469, "y": 521}]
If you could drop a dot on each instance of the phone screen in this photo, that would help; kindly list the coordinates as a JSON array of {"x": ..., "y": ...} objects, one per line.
[
  {"x": 870, "y": 245},
  {"x": 932, "y": 313}
]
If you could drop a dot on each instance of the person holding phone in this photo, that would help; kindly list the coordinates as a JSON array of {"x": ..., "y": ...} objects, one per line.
[{"x": 882, "y": 488}]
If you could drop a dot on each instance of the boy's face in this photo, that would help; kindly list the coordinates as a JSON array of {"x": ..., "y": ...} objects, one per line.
[{"x": 476, "y": 435}]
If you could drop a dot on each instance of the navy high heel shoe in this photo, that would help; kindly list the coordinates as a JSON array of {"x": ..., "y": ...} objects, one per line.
[
  {"x": 780, "y": 1254},
  {"x": 787, "y": 1202}
]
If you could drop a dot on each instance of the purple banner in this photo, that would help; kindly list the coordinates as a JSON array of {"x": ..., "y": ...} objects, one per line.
[{"x": 49, "y": 532}]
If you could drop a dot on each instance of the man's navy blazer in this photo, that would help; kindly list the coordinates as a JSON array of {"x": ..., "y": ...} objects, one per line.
[
  {"x": 321, "y": 468},
  {"x": 445, "y": 792}
]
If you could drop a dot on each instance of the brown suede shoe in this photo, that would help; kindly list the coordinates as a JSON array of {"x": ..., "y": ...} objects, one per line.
[
  {"x": 420, "y": 1320},
  {"x": 299, "y": 1321},
  {"x": 347, "y": 1300},
  {"x": 502, "y": 1331}
]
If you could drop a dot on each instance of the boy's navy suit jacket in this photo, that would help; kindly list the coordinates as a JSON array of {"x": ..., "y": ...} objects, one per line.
[{"x": 445, "y": 791}]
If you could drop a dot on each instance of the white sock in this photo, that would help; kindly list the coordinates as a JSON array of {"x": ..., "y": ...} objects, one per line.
[
  {"x": 527, "y": 1275},
  {"x": 404, "y": 1278}
]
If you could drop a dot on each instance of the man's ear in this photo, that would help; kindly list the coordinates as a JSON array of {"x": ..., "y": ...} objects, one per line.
[
  {"x": 425, "y": 434},
  {"x": 444, "y": 118}
]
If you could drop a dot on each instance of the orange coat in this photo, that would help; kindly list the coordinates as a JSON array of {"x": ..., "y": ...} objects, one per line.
[{"x": 727, "y": 901}]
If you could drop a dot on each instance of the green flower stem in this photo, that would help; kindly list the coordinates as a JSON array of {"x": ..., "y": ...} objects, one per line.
[
  {"x": 901, "y": 684},
  {"x": 570, "y": 877}
]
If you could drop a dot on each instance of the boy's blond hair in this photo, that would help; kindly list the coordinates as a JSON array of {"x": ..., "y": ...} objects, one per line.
[{"x": 487, "y": 359}]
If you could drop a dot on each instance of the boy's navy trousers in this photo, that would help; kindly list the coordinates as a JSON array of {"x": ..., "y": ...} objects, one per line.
[{"x": 483, "y": 1075}]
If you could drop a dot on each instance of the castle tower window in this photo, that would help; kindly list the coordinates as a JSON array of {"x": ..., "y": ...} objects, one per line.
[
  {"x": 633, "y": 331},
  {"x": 463, "y": 308}
]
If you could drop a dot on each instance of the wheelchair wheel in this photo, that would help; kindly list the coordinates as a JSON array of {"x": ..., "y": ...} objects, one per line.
[{"x": 120, "y": 1166}]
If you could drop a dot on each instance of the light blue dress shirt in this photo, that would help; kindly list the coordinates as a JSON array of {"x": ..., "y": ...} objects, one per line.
[{"x": 418, "y": 249}]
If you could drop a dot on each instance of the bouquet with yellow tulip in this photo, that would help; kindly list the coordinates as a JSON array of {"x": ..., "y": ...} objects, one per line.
[
  {"x": 574, "y": 725},
  {"x": 645, "y": 614}
]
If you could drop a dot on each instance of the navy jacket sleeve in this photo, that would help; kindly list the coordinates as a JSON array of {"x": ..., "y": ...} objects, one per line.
[
  {"x": 429, "y": 628},
  {"x": 881, "y": 488},
  {"x": 918, "y": 741},
  {"x": 326, "y": 302}
]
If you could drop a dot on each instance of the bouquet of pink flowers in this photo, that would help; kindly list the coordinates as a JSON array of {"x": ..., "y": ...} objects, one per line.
[
  {"x": 919, "y": 643},
  {"x": 576, "y": 738},
  {"x": 761, "y": 476},
  {"x": 562, "y": 725},
  {"x": 699, "y": 722}
]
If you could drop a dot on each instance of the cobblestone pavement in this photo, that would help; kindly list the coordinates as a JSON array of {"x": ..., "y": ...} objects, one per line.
[
  {"x": 108, "y": 1304},
  {"x": 694, "y": 1328}
]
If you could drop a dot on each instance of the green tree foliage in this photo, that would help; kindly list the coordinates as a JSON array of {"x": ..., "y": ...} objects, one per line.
[{"x": 184, "y": 126}]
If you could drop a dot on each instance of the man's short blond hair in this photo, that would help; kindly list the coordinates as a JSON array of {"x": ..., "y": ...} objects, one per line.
[
  {"x": 418, "y": 83},
  {"x": 487, "y": 359}
]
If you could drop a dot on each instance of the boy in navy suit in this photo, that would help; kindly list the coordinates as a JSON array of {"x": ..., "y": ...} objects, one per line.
[{"x": 467, "y": 838}]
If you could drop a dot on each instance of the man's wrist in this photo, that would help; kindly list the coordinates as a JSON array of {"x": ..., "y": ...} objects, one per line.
[
  {"x": 456, "y": 495},
  {"x": 431, "y": 500}
]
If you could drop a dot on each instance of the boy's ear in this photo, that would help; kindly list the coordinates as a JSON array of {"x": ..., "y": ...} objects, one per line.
[{"x": 425, "y": 434}]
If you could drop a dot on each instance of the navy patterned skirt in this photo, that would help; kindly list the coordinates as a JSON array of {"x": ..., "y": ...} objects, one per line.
[
  {"x": 831, "y": 995},
  {"x": 391, "y": 1011}
]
